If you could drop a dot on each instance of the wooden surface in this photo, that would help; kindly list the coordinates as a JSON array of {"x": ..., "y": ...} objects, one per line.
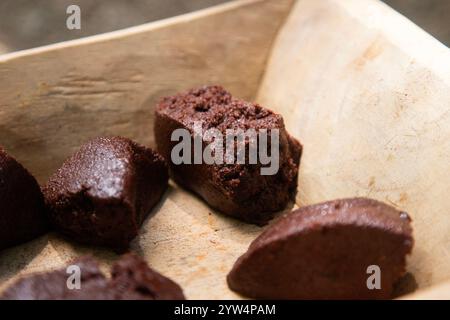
[
  {"x": 368, "y": 93},
  {"x": 432, "y": 15},
  {"x": 364, "y": 89},
  {"x": 53, "y": 99},
  {"x": 438, "y": 292}
]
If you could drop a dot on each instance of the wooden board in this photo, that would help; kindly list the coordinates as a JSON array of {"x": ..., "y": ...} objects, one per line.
[
  {"x": 368, "y": 93},
  {"x": 365, "y": 90},
  {"x": 437, "y": 292},
  {"x": 52, "y": 99}
]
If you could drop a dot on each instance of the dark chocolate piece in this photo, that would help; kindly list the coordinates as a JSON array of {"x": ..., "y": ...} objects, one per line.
[
  {"x": 239, "y": 190},
  {"x": 53, "y": 285},
  {"x": 323, "y": 251},
  {"x": 131, "y": 279},
  {"x": 22, "y": 208},
  {"x": 102, "y": 194}
]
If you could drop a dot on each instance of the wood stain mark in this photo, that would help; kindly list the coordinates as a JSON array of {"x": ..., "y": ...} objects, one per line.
[
  {"x": 369, "y": 54},
  {"x": 403, "y": 197}
]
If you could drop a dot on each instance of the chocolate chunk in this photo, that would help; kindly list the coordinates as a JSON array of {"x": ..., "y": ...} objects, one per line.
[
  {"x": 22, "y": 209},
  {"x": 236, "y": 189},
  {"x": 53, "y": 285},
  {"x": 131, "y": 279},
  {"x": 102, "y": 194},
  {"x": 324, "y": 251}
]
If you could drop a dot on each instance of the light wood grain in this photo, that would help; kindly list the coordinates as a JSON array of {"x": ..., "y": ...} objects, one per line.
[
  {"x": 437, "y": 292},
  {"x": 368, "y": 93},
  {"x": 52, "y": 99},
  {"x": 365, "y": 90},
  {"x": 55, "y": 98}
]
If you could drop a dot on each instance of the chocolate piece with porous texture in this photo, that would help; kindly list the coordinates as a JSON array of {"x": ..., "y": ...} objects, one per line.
[
  {"x": 22, "y": 208},
  {"x": 238, "y": 190},
  {"x": 327, "y": 251},
  {"x": 131, "y": 279},
  {"x": 102, "y": 194}
]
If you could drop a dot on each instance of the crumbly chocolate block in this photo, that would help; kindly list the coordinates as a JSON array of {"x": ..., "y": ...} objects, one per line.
[
  {"x": 323, "y": 251},
  {"x": 131, "y": 279},
  {"x": 238, "y": 190},
  {"x": 22, "y": 208},
  {"x": 102, "y": 194}
]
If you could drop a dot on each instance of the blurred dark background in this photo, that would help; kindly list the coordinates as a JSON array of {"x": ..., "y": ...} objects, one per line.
[{"x": 31, "y": 23}]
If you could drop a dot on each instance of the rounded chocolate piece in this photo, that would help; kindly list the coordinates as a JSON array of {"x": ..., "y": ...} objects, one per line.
[
  {"x": 102, "y": 194},
  {"x": 53, "y": 285},
  {"x": 237, "y": 189},
  {"x": 131, "y": 279},
  {"x": 22, "y": 209},
  {"x": 134, "y": 280},
  {"x": 331, "y": 250}
]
